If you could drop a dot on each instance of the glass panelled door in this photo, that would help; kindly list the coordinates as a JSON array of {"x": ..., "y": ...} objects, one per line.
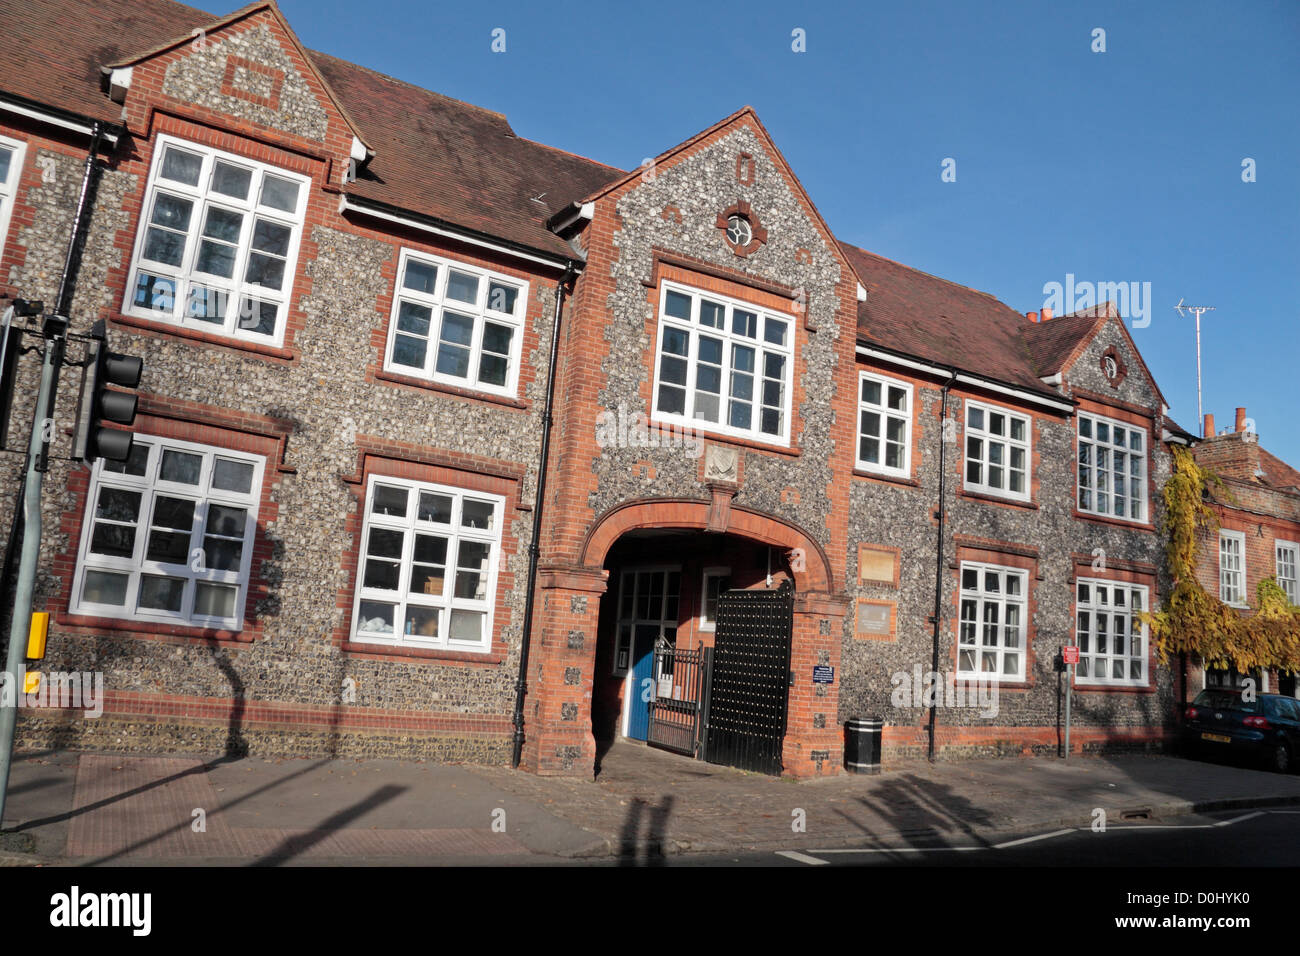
[{"x": 647, "y": 615}]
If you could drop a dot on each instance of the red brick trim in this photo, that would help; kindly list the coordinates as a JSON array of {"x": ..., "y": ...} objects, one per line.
[
  {"x": 470, "y": 466},
  {"x": 254, "y": 714},
  {"x": 892, "y": 636},
  {"x": 1118, "y": 572},
  {"x": 461, "y": 394},
  {"x": 746, "y": 212},
  {"x": 1121, "y": 367},
  {"x": 895, "y": 553},
  {"x": 997, "y": 500},
  {"x": 178, "y": 409},
  {"x": 1009, "y": 555},
  {"x": 682, "y": 268},
  {"x": 385, "y": 652},
  {"x": 1120, "y": 568},
  {"x": 208, "y": 425},
  {"x": 693, "y": 513},
  {"x": 381, "y": 458},
  {"x": 236, "y": 63},
  {"x": 171, "y": 330}
]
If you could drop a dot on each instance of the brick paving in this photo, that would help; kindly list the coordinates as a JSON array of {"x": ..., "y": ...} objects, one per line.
[
  {"x": 107, "y": 809},
  {"x": 145, "y": 807}
]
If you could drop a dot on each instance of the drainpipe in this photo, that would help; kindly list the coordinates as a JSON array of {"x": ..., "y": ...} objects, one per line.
[
  {"x": 521, "y": 685},
  {"x": 938, "y": 561},
  {"x": 72, "y": 261},
  {"x": 62, "y": 302}
]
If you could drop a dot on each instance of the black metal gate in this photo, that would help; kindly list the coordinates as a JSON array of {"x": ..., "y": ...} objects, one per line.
[
  {"x": 675, "y": 707},
  {"x": 748, "y": 687}
]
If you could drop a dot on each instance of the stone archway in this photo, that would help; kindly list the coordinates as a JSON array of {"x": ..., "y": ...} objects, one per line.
[{"x": 558, "y": 735}]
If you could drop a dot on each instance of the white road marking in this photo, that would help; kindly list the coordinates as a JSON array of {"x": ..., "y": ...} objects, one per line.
[
  {"x": 1248, "y": 816},
  {"x": 1031, "y": 839},
  {"x": 814, "y": 861},
  {"x": 907, "y": 849},
  {"x": 801, "y": 857}
]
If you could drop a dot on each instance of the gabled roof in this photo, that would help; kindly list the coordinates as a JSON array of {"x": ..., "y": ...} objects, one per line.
[
  {"x": 434, "y": 155},
  {"x": 744, "y": 113},
  {"x": 242, "y": 14},
  {"x": 929, "y": 318},
  {"x": 459, "y": 163},
  {"x": 1053, "y": 344},
  {"x": 1278, "y": 474}
]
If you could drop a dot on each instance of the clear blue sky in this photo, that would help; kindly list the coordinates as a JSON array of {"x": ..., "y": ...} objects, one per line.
[{"x": 1122, "y": 166}]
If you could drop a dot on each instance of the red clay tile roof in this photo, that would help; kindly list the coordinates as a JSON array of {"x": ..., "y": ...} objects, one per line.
[
  {"x": 939, "y": 321},
  {"x": 433, "y": 155},
  {"x": 1277, "y": 473},
  {"x": 457, "y": 162},
  {"x": 1051, "y": 343}
]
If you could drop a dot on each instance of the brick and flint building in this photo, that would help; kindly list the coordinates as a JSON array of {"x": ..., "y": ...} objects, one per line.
[{"x": 344, "y": 290}]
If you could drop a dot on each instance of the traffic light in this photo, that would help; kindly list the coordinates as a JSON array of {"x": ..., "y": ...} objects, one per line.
[
  {"x": 10, "y": 347},
  {"x": 99, "y": 404}
]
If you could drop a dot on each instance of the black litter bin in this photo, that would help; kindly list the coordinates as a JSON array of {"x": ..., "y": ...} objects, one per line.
[{"x": 862, "y": 745}]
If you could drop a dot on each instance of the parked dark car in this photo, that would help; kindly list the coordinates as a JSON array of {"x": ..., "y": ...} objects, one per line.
[{"x": 1265, "y": 729}]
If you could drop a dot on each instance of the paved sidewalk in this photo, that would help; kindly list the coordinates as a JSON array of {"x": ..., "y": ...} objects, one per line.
[{"x": 119, "y": 810}]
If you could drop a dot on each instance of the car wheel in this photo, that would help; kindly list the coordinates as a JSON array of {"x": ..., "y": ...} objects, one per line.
[{"x": 1280, "y": 758}]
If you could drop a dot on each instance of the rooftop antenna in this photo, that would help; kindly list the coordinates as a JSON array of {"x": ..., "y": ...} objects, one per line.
[{"x": 1198, "y": 311}]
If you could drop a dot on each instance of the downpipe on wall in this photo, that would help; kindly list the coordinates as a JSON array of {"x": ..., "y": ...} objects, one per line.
[{"x": 539, "y": 498}]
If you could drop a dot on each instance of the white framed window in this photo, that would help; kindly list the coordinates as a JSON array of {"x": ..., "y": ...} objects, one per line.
[
  {"x": 218, "y": 243},
  {"x": 168, "y": 535},
  {"x": 1288, "y": 560},
  {"x": 456, "y": 324},
  {"x": 647, "y": 613},
  {"x": 1112, "y": 468},
  {"x": 992, "y": 631},
  {"x": 715, "y": 581},
  {"x": 1110, "y": 635},
  {"x": 997, "y": 451},
  {"x": 884, "y": 425},
  {"x": 722, "y": 365},
  {"x": 1232, "y": 568},
  {"x": 12, "y": 153},
  {"x": 427, "y": 566}
]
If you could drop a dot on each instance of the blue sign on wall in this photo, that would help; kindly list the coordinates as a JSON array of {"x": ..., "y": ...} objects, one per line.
[{"x": 823, "y": 674}]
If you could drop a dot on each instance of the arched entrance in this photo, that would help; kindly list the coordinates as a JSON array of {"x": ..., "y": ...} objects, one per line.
[{"x": 650, "y": 575}]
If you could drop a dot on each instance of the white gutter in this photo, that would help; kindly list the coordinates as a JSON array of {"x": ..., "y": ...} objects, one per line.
[
  {"x": 1170, "y": 438},
  {"x": 868, "y": 352},
  {"x": 587, "y": 212},
  {"x": 86, "y": 129},
  {"x": 346, "y": 205}
]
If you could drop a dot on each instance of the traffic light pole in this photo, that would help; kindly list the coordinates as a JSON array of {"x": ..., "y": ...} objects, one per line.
[{"x": 15, "y": 668}]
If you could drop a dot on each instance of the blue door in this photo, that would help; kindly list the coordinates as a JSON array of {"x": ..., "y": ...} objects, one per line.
[
  {"x": 647, "y": 614},
  {"x": 642, "y": 686}
]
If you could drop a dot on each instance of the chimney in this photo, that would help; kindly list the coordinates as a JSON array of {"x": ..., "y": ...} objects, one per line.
[
  {"x": 1047, "y": 314},
  {"x": 1031, "y": 316},
  {"x": 1209, "y": 425},
  {"x": 1241, "y": 420}
]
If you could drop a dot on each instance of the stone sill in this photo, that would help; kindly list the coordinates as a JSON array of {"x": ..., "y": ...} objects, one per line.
[
  {"x": 424, "y": 384},
  {"x": 1113, "y": 688},
  {"x": 147, "y": 629},
  {"x": 1114, "y": 522},
  {"x": 997, "y": 500},
  {"x": 387, "y": 652},
  {"x": 890, "y": 479},
  {"x": 206, "y": 338}
]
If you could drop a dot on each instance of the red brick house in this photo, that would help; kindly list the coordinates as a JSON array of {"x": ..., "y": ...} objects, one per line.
[
  {"x": 346, "y": 292},
  {"x": 1258, "y": 506}
]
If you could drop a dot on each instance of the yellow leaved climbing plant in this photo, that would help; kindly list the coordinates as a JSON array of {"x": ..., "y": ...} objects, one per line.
[{"x": 1197, "y": 623}]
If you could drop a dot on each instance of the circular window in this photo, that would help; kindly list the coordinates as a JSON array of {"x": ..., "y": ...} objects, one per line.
[
  {"x": 1111, "y": 366},
  {"x": 739, "y": 231}
]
